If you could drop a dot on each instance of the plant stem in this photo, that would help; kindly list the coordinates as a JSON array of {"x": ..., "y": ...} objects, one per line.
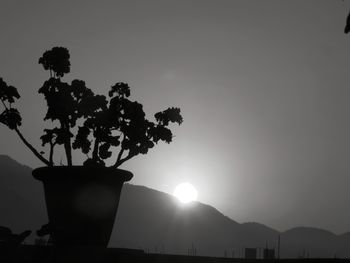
[
  {"x": 121, "y": 161},
  {"x": 68, "y": 152},
  {"x": 4, "y": 104},
  {"x": 51, "y": 153},
  {"x": 38, "y": 155},
  {"x": 65, "y": 125},
  {"x": 95, "y": 150},
  {"x": 67, "y": 146},
  {"x": 119, "y": 157},
  {"x": 120, "y": 154}
]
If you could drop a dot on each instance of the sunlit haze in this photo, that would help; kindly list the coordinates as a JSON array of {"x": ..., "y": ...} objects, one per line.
[{"x": 185, "y": 192}]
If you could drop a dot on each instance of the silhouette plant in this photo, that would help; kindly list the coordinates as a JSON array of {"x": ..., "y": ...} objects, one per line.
[
  {"x": 91, "y": 123},
  {"x": 10, "y": 240}
]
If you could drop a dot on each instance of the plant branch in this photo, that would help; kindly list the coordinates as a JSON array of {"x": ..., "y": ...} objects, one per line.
[
  {"x": 67, "y": 144},
  {"x": 121, "y": 161},
  {"x": 120, "y": 154},
  {"x": 3, "y": 103},
  {"x": 38, "y": 155},
  {"x": 52, "y": 145},
  {"x": 119, "y": 158},
  {"x": 95, "y": 150}
]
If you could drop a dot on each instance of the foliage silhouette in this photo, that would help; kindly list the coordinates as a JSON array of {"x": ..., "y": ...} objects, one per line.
[
  {"x": 10, "y": 240},
  {"x": 347, "y": 25},
  {"x": 44, "y": 230},
  {"x": 105, "y": 123}
]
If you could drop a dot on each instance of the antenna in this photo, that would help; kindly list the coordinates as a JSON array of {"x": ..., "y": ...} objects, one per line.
[{"x": 279, "y": 246}]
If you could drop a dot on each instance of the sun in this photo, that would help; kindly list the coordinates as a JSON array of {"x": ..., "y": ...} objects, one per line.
[{"x": 185, "y": 192}]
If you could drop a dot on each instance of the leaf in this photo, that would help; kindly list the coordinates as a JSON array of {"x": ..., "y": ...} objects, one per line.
[
  {"x": 79, "y": 89},
  {"x": 11, "y": 118},
  {"x": 8, "y": 93},
  {"x": 62, "y": 135},
  {"x": 161, "y": 133},
  {"x": 347, "y": 26},
  {"x": 47, "y": 137},
  {"x": 126, "y": 144},
  {"x": 113, "y": 140},
  {"x": 92, "y": 104},
  {"x": 133, "y": 111},
  {"x": 169, "y": 115},
  {"x": 57, "y": 60},
  {"x": 104, "y": 151},
  {"x": 121, "y": 89},
  {"x": 81, "y": 140},
  {"x": 93, "y": 163}
]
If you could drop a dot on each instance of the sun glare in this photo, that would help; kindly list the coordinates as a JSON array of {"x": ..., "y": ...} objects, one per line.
[{"x": 185, "y": 192}]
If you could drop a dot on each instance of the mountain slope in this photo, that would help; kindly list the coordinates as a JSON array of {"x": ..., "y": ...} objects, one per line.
[
  {"x": 151, "y": 219},
  {"x": 313, "y": 242},
  {"x": 21, "y": 197}
]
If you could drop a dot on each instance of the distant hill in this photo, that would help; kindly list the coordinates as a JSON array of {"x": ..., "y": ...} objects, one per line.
[
  {"x": 314, "y": 242},
  {"x": 156, "y": 221},
  {"x": 22, "y": 205}
]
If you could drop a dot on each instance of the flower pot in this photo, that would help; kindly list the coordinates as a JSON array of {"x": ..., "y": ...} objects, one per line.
[{"x": 81, "y": 203}]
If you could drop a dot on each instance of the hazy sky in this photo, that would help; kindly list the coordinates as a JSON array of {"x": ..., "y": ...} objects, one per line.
[{"x": 263, "y": 87}]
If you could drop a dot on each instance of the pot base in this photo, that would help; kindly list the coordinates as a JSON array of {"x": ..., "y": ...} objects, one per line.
[{"x": 81, "y": 203}]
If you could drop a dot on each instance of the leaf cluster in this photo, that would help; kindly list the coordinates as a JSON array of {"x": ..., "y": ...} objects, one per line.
[
  {"x": 10, "y": 116},
  {"x": 95, "y": 124}
]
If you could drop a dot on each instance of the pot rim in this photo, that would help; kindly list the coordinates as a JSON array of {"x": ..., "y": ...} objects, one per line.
[{"x": 80, "y": 172}]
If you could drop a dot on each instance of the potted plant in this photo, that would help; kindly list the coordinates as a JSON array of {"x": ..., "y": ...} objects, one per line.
[{"x": 82, "y": 200}]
